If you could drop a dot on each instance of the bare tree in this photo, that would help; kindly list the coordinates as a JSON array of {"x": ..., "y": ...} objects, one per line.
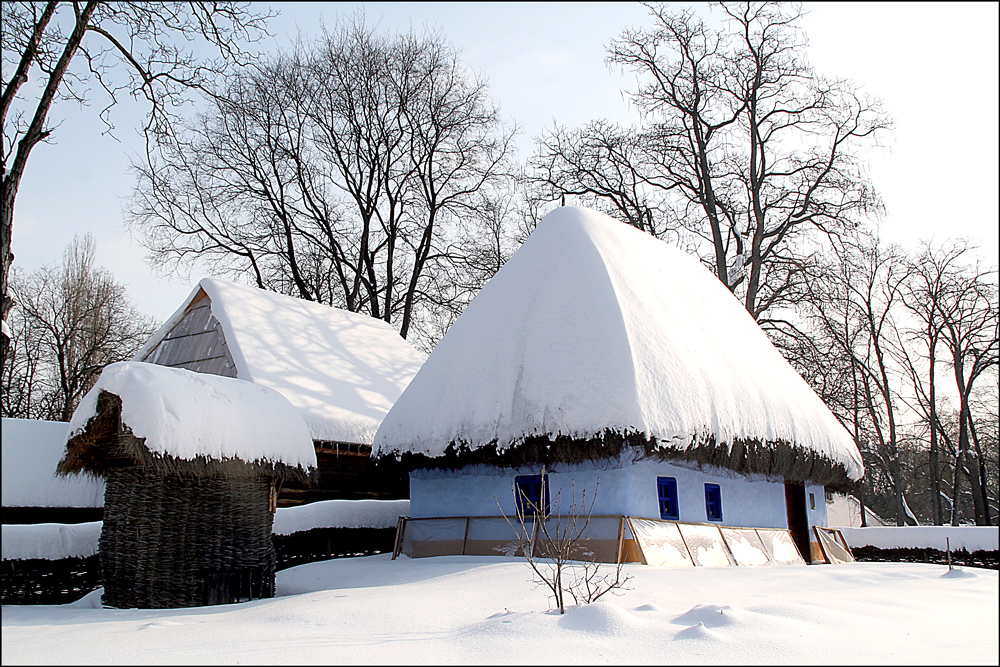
[
  {"x": 689, "y": 100},
  {"x": 985, "y": 427},
  {"x": 143, "y": 49},
  {"x": 929, "y": 279},
  {"x": 553, "y": 541},
  {"x": 853, "y": 304},
  {"x": 742, "y": 145},
  {"x": 602, "y": 166},
  {"x": 76, "y": 320},
  {"x": 969, "y": 316},
  {"x": 338, "y": 172}
]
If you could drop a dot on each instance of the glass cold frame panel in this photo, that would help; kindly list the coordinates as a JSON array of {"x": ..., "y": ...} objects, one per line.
[{"x": 666, "y": 491}]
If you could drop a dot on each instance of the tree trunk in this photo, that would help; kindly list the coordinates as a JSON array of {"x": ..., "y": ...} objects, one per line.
[
  {"x": 956, "y": 488},
  {"x": 933, "y": 455},
  {"x": 984, "y": 490},
  {"x": 35, "y": 133},
  {"x": 6, "y": 258}
]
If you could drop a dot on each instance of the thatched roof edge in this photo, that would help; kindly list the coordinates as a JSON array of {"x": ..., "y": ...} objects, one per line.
[
  {"x": 771, "y": 458},
  {"x": 106, "y": 443}
]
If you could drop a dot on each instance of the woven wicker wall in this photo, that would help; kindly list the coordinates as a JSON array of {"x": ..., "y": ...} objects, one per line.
[{"x": 179, "y": 541}]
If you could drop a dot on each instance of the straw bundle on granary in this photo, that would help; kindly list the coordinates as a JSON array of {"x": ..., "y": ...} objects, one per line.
[
  {"x": 342, "y": 371},
  {"x": 598, "y": 351},
  {"x": 191, "y": 463}
]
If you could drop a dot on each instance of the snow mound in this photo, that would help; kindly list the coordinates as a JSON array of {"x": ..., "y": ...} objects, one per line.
[
  {"x": 708, "y": 615},
  {"x": 341, "y": 370},
  {"x": 699, "y": 631},
  {"x": 600, "y": 618},
  {"x": 91, "y": 600},
  {"x": 186, "y": 415},
  {"x": 959, "y": 573},
  {"x": 594, "y": 325}
]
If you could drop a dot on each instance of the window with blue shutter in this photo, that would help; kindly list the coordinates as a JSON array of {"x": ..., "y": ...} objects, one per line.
[
  {"x": 666, "y": 491},
  {"x": 529, "y": 491},
  {"x": 713, "y": 502}
]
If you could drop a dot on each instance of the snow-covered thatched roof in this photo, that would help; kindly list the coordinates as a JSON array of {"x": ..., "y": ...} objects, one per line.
[
  {"x": 594, "y": 327},
  {"x": 341, "y": 370},
  {"x": 182, "y": 416},
  {"x": 31, "y": 451}
]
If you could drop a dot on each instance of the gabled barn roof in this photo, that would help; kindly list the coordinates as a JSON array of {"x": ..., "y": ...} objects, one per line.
[
  {"x": 182, "y": 419},
  {"x": 31, "y": 451},
  {"x": 341, "y": 370},
  {"x": 594, "y": 327}
]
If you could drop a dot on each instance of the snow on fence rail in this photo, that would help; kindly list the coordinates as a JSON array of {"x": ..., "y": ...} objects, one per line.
[
  {"x": 970, "y": 538},
  {"x": 340, "y": 514},
  {"x": 50, "y": 541},
  {"x": 55, "y": 541}
]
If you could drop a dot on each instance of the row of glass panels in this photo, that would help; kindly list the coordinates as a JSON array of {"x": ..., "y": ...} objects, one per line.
[{"x": 601, "y": 538}]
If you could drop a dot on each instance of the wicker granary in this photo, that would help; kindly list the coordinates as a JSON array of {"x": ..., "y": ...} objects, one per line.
[{"x": 191, "y": 465}]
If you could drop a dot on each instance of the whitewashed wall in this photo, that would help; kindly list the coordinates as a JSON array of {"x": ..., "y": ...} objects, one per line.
[{"x": 626, "y": 488}]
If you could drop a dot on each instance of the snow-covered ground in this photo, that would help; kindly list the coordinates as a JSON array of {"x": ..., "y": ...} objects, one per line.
[{"x": 462, "y": 609}]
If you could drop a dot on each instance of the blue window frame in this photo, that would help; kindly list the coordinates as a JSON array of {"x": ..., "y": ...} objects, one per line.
[
  {"x": 713, "y": 502},
  {"x": 666, "y": 491},
  {"x": 528, "y": 492}
]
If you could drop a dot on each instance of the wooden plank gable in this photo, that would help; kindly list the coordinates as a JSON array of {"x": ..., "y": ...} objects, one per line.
[{"x": 196, "y": 343}]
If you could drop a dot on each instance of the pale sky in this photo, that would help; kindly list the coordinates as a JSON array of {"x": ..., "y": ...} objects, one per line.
[{"x": 935, "y": 66}]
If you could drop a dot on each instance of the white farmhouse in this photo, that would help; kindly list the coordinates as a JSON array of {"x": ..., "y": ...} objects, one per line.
[{"x": 602, "y": 359}]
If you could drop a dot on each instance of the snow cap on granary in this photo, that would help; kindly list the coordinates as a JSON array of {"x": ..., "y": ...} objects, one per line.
[
  {"x": 182, "y": 420},
  {"x": 341, "y": 370},
  {"x": 595, "y": 328}
]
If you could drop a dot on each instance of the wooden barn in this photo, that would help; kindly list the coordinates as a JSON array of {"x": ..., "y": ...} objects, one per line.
[
  {"x": 342, "y": 371},
  {"x": 601, "y": 360},
  {"x": 191, "y": 464},
  {"x": 32, "y": 492}
]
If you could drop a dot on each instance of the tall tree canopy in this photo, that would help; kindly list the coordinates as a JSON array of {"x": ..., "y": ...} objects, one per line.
[
  {"x": 62, "y": 51},
  {"x": 347, "y": 172},
  {"x": 744, "y": 150},
  {"x": 72, "y": 321}
]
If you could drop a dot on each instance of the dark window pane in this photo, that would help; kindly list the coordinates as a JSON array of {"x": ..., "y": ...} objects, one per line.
[
  {"x": 528, "y": 493},
  {"x": 713, "y": 502}
]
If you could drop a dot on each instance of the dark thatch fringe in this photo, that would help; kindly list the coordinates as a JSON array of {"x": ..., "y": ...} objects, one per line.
[
  {"x": 106, "y": 443},
  {"x": 772, "y": 458}
]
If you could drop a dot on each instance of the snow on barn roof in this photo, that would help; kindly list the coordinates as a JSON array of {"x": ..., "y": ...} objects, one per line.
[
  {"x": 31, "y": 451},
  {"x": 593, "y": 326},
  {"x": 341, "y": 370},
  {"x": 187, "y": 415}
]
